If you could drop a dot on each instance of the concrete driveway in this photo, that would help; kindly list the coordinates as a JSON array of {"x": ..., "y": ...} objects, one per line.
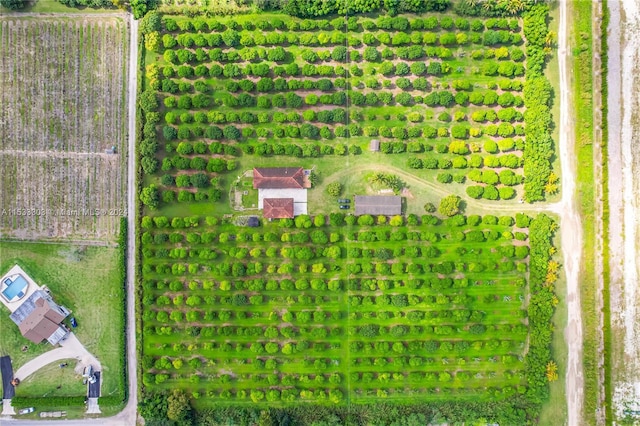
[{"x": 70, "y": 348}]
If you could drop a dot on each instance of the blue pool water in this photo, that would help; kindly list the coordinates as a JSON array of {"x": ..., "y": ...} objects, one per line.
[{"x": 14, "y": 288}]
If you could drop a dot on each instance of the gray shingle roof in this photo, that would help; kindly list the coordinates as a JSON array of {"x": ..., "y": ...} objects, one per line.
[{"x": 388, "y": 205}]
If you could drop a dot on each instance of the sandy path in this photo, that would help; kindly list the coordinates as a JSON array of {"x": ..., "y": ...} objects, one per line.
[
  {"x": 624, "y": 66},
  {"x": 571, "y": 232},
  {"x": 599, "y": 202}
]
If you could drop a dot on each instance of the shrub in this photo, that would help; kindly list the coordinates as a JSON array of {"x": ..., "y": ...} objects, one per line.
[
  {"x": 449, "y": 205},
  {"x": 334, "y": 189}
]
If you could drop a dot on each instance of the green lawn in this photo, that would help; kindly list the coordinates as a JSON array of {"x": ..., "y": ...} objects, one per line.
[
  {"x": 53, "y": 381},
  {"x": 85, "y": 280}
]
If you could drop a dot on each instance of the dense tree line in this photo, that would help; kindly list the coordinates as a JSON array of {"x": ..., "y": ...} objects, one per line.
[
  {"x": 13, "y": 4},
  {"x": 541, "y": 308},
  {"x": 315, "y": 8},
  {"x": 155, "y": 408},
  {"x": 493, "y": 8},
  {"x": 538, "y": 96}
]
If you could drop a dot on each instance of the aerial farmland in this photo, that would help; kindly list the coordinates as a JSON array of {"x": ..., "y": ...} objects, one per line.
[{"x": 63, "y": 107}]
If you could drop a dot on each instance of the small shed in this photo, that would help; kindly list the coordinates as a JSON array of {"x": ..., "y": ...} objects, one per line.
[
  {"x": 374, "y": 145},
  {"x": 253, "y": 222},
  {"x": 388, "y": 205}
]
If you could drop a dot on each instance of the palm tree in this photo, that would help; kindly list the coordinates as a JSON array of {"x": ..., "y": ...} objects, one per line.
[
  {"x": 378, "y": 178},
  {"x": 552, "y": 371},
  {"x": 488, "y": 5},
  {"x": 550, "y": 39},
  {"x": 514, "y": 6}
]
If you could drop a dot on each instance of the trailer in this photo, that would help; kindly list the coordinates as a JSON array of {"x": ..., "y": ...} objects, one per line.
[{"x": 53, "y": 414}]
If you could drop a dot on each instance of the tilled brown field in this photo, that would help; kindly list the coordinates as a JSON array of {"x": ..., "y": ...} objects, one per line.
[{"x": 62, "y": 103}]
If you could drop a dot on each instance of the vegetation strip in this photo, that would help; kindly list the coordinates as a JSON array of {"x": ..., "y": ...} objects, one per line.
[
  {"x": 606, "y": 295},
  {"x": 583, "y": 86}
]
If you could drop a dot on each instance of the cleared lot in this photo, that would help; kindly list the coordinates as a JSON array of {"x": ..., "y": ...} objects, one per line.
[{"x": 63, "y": 104}]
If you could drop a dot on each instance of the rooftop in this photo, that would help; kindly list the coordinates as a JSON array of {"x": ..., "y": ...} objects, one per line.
[
  {"x": 278, "y": 208},
  {"x": 39, "y": 318},
  {"x": 388, "y": 205},
  {"x": 280, "y": 178}
]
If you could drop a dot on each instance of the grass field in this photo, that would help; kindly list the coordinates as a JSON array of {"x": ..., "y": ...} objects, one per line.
[
  {"x": 62, "y": 89},
  {"x": 581, "y": 42},
  {"x": 53, "y": 381},
  {"x": 84, "y": 279}
]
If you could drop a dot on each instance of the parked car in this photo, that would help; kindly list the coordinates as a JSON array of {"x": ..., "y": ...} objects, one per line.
[
  {"x": 74, "y": 323},
  {"x": 345, "y": 207},
  {"x": 344, "y": 200},
  {"x": 88, "y": 371},
  {"x": 26, "y": 410}
]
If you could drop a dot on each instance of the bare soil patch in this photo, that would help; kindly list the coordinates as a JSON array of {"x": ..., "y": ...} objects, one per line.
[{"x": 63, "y": 104}]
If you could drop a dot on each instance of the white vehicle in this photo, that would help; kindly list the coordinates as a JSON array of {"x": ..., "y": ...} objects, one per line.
[
  {"x": 88, "y": 371},
  {"x": 26, "y": 410}
]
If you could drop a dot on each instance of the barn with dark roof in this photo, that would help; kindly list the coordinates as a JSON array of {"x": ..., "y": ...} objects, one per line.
[{"x": 387, "y": 205}]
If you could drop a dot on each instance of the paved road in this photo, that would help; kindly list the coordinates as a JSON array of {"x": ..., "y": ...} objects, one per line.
[{"x": 94, "y": 388}]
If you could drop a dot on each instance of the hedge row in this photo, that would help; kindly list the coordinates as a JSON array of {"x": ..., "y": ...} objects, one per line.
[
  {"x": 541, "y": 308},
  {"x": 291, "y": 100},
  {"x": 414, "y": 39},
  {"x": 117, "y": 399},
  {"x": 538, "y": 97},
  {"x": 53, "y": 401}
]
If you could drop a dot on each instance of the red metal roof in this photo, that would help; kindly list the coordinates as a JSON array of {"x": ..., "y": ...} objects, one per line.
[
  {"x": 280, "y": 178},
  {"x": 278, "y": 208}
]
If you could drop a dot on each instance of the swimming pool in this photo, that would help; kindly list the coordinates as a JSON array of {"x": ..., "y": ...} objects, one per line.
[{"x": 14, "y": 288}]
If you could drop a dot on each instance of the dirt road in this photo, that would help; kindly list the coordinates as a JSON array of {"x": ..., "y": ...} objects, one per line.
[
  {"x": 624, "y": 66},
  {"x": 571, "y": 231},
  {"x": 129, "y": 414}
]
